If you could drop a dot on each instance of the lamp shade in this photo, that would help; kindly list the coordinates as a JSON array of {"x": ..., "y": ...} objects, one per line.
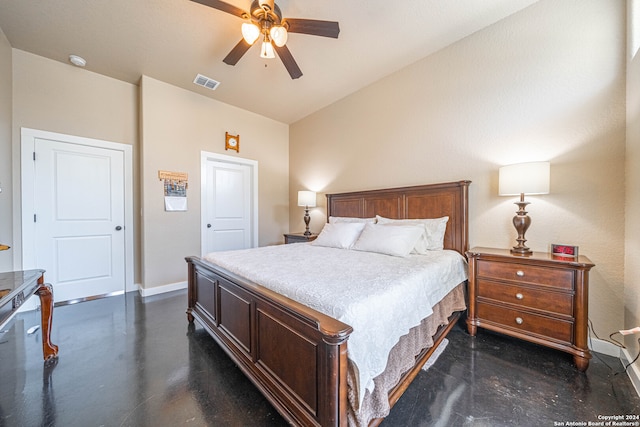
[
  {"x": 307, "y": 198},
  {"x": 524, "y": 178}
]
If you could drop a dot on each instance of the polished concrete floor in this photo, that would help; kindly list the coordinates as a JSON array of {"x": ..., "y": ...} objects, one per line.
[{"x": 127, "y": 361}]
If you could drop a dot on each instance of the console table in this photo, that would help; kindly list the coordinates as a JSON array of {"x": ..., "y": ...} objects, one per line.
[{"x": 15, "y": 288}]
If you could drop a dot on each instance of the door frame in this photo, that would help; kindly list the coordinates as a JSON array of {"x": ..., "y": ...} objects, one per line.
[
  {"x": 27, "y": 141},
  {"x": 205, "y": 156}
]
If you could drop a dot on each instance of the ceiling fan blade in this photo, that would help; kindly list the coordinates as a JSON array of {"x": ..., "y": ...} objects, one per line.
[
  {"x": 236, "y": 53},
  {"x": 313, "y": 27},
  {"x": 288, "y": 61},
  {"x": 225, "y": 7}
]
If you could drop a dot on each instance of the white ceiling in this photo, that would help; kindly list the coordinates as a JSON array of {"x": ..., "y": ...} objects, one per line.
[{"x": 173, "y": 40}]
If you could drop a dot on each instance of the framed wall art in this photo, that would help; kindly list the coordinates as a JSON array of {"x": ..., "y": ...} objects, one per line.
[{"x": 175, "y": 190}]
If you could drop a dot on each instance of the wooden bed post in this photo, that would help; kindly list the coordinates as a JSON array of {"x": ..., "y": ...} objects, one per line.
[{"x": 191, "y": 292}]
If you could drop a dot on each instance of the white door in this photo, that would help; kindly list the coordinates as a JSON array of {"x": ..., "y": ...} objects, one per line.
[
  {"x": 79, "y": 218},
  {"x": 229, "y": 205}
]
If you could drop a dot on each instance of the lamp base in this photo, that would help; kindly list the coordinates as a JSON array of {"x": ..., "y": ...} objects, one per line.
[
  {"x": 521, "y": 250},
  {"x": 521, "y": 222},
  {"x": 307, "y": 219}
]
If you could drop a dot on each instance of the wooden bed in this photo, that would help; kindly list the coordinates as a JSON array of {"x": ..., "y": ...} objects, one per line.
[{"x": 296, "y": 356}]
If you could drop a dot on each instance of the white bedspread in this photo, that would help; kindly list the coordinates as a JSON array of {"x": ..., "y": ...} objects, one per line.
[{"x": 380, "y": 296}]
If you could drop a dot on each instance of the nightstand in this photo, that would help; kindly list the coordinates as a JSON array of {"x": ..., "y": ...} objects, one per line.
[
  {"x": 298, "y": 238},
  {"x": 542, "y": 298}
]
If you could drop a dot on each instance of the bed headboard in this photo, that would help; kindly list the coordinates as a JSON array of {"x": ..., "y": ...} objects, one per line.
[{"x": 423, "y": 201}]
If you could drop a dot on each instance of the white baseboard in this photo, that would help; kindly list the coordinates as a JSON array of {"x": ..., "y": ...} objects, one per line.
[
  {"x": 34, "y": 303},
  {"x": 633, "y": 371},
  {"x": 609, "y": 349},
  {"x": 147, "y": 292},
  {"x": 604, "y": 347}
]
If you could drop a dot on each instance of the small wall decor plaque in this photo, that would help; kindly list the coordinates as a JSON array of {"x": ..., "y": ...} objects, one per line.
[{"x": 567, "y": 251}]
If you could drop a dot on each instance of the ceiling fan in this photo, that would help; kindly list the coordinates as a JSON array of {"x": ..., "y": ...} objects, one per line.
[{"x": 265, "y": 20}]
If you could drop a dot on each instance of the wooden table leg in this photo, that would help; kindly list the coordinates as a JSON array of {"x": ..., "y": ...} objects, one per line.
[{"x": 49, "y": 350}]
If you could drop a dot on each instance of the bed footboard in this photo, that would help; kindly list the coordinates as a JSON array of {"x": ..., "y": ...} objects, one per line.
[{"x": 296, "y": 356}]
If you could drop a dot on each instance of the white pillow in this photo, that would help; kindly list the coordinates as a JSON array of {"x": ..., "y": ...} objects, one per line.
[
  {"x": 433, "y": 239},
  {"x": 336, "y": 219},
  {"x": 340, "y": 235},
  {"x": 389, "y": 239}
]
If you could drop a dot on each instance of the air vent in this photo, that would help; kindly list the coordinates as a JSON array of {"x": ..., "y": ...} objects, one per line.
[{"x": 205, "y": 81}]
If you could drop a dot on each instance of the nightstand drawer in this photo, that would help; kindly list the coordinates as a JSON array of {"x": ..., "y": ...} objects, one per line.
[
  {"x": 527, "y": 322},
  {"x": 538, "y": 299},
  {"x": 521, "y": 273}
]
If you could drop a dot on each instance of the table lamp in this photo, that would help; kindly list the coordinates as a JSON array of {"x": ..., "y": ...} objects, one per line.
[
  {"x": 523, "y": 178},
  {"x": 308, "y": 200}
]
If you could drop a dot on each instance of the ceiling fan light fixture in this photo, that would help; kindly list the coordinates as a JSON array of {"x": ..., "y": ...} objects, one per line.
[
  {"x": 279, "y": 35},
  {"x": 250, "y": 32},
  {"x": 265, "y": 20},
  {"x": 266, "y": 5},
  {"x": 267, "y": 51}
]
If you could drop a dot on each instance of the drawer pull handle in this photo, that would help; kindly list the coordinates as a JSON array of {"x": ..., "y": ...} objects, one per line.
[
  {"x": 519, "y": 320},
  {"x": 519, "y": 296},
  {"x": 520, "y": 273}
]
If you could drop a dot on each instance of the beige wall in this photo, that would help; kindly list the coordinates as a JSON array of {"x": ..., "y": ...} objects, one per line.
[
  {"x": 6, "y": 222},
  {"x": 176, "y": 126},
  {"x": 57, "y": 97},
  {"x": 52, "y": 96},
  {"x": 632, "y": 232},
  {"x": 547, "y": 83}
]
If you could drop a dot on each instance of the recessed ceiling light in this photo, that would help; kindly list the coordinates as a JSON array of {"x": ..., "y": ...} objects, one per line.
[{"x": 78, "y": 61}]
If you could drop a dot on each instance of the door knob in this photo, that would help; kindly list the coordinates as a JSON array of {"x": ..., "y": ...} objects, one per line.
[
  {"x": 208, "y": 225},
  {"x": 118, "y": 228}
]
